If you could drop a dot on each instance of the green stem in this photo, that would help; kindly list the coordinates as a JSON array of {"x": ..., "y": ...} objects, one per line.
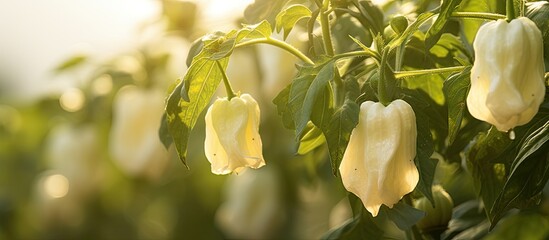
[
  {"x": 510, "y": 10},
  {"x": 281, "y": 44},
  {"x": 228, "y": 88},
  {"x": 382, "y": 83},
  {"x": 325, "y": 24},
  {"x": 367, "y": 53},
  {"x": 405, "y": 74},
  {"x": 478, "y": 15}
]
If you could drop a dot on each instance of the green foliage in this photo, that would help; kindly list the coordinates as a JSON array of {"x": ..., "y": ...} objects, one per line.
[
  {"x": 338, "y": 131},
  {"x": 71, "y": 63},
  {"x": 522, "y": 226},
  {"x": 287, "y": 18},
  {"x": 435, "y": 31},
  {"x": 455, "y": 91},
  {"x": 364, "y": 226},
  {"x": 312, "y": 139},
  {"x": 305, "y": 90},
  {"x": 264, "y": 10},
  {"x": 425, "y": 147},
  {"x": 426, "y": 63},
  {"x": 511, "y": 173}
]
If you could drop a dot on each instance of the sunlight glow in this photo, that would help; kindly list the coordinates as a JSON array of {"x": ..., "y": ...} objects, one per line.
[
  {"x": 72, "y": 100},
  {"x": 56, "y": 186},
  {"x": 102, "y": 85}
]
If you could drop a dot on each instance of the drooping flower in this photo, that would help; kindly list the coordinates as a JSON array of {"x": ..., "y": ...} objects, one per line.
[
  {"x": 378, "y": 164},
  {"x": 232, "y": 135},
  {"x": 507, "y": 78}
]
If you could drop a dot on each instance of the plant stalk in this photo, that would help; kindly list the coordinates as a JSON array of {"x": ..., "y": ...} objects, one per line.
[
  {"x": 228, "y": 88},
  {"x": 413, "y": 73},
  {"x": 478, "y": 15},
  {"x": 325, "y": 24},
  {"x": 510, "y": 10},
  {"x": 382, "y": 84},
  {"x": 277, "y": 43}
]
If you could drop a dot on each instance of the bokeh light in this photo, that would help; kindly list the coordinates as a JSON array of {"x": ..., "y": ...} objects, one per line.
[
  {"x": 72, "y": 100},
  {"x": 56, "y": 185}
]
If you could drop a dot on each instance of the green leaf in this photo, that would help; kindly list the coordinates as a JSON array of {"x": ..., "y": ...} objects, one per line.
[
  {"x": 432, "y": 84},
  {"x": 487, "y": 157},
  {"x": 455, "y": 90},
  {"x": 450, "y": 51},
  {"x": 425, "y": 164},
  {"x": 371, "y": 17},
  {"x": 529, "y": 170},
  {"x": 359, "y": 43},
  {"x": 535, "y": 139},
  {"x": 469, "y": 27},
  {"x": 263, "y": 10},
  {"x": 521, "y": 226},
  {"x": 222, "y": 46},
  {"x": 164, "y": 134},
  {"x": 435, "y": 31},
  {"x": 287, "y": 18},
  {"x": 283, "y": 108},
  {"x": 312, "y": 139},
  {"x": 305, "y": 90},
  {"x": 403, "y": 215},
  {"x": 466, "y": 217},
  {"x": 259, "y": 30},
  {"x": 342, "y": 123},
  {"x": 323, "y": 108},
  {"x": 196, "y": 48},
  {"x": 200, "y": 83},
  {"x": 71, "y": 63}
]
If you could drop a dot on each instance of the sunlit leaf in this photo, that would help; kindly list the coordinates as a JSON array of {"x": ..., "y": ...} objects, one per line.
[
  {"x": 431, "y": 84},
  {"x": 196, "y": 48},
  {"x": 200, "y": 82},
  {"x": 450, "y": 51},
  {"x": 71, "y": 63},
  {"x": 287, "y": 18},
  {"x": 259, "y": 30},
  {"x": 263, "y": 10},
  {"x": 312, "y": 138},
  {"x": 226, "y": 44},
  {"x": 469, "y": 27}
]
